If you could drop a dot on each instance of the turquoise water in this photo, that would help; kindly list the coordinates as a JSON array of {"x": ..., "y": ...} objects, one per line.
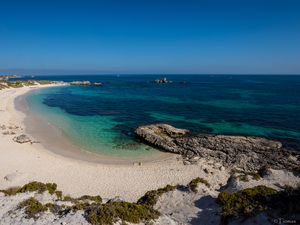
[
  {"x": 102, "y": 119},
  {"x": 91, "y": 133}
]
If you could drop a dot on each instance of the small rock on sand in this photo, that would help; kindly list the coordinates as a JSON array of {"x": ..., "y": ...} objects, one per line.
[{"x": 22, "y": 139}]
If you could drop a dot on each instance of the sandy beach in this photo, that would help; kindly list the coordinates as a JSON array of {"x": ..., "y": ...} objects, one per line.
[{"x": 33, "y": 162}]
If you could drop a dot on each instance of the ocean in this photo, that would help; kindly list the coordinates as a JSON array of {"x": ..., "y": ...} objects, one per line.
[{"x": 102, "y": 119}]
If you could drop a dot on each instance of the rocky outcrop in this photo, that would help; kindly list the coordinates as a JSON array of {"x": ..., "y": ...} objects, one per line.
[
  {"x": 22, "y": 139},
  {"x": 85, "y": 83},
  {"x": 162, "y": 81},
  {"x": 80, "y": 83},
  {"x": 247, "y": 153}
]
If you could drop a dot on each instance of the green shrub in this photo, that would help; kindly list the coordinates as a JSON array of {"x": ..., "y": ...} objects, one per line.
[
  {"x": 32, "y": 208},
  {"x": 245, "y": 202},
  {"x": 59, "y": 195},
  {"x": 244, "y": 176},
  {"x": 151, "y": 197},
  {"x": 107, "y": 214},
  {"x": 29, "y": 83},
  {"x": 96, "y": 198},
  {"x": 68, "y": 198},
  {"x": 11, "y": 191},
  {"x": 194, "y": 183},
  {"x": 39, "y": 187},
  {"x": 30, "y": 187}
]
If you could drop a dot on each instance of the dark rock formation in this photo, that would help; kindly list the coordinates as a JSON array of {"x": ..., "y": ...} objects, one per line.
[
  {"x": 162, "y": 81},
  {"x": 247, "y": 153},
  {"x": 22, "y": 139}
]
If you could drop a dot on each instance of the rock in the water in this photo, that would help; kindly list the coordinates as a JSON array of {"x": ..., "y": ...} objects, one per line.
[
  {"x": 247, "y": 153},
  {"x": 162, "y": 81},
  {"x": 79, "y": 83},
  {"x": 22, "y": 139}
]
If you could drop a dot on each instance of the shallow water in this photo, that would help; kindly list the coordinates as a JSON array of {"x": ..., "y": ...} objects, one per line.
[{"x": 102, "y": 119}]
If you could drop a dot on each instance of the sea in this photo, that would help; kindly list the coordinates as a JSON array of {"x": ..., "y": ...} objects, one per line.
[{"x": 102, "y": 119}]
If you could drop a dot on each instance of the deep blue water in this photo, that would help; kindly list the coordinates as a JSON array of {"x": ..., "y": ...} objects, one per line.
[{"x": 261, "y": 105}]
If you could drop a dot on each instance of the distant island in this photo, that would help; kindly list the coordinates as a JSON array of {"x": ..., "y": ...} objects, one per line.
[{"x": 7, "y": 77}]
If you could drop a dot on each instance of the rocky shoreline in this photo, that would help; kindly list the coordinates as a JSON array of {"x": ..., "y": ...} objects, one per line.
[{"x": 242, "y": 152}]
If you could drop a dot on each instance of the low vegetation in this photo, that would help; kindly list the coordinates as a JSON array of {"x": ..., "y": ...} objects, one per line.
[
  {"x": 246, "y": 202},
  {"x": 250, "y": 201},
  {"x": 33, "y": 208},
  {"x": 30, "y": 187},
  {"x": 109, "y": 213},
  {"x": 95, "y": 211},
  {"x": 285, "y": 204},
  {"x": 151, "y": 197},
  {"x": 22, "y": 83},
  {"x": 96, "y": 198},
  {"x": 244, "y": 176},
  {"x": 195, "y": 182}
]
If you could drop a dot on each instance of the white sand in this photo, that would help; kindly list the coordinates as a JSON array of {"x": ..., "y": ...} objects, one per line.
[{"x": 22, "y": 163}]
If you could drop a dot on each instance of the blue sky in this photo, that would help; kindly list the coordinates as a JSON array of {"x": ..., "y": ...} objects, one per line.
[{"x": 150, "y": 36}]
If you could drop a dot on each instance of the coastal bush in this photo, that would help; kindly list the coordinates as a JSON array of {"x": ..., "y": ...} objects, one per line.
[
  {"x": 30, "y": 187},
  {"x": 39, "y": 187},
  {"x": 22, "y": 83},
  {"x": 245, "y": 176},
  {"x": 245, "y": 202},
  {"x": 59, "y": 195},
  {"x": 96, "y": 199},
  {"x": 194, "y": 184},
  {"x": 79, "y": 206},
  {"x": 14, "y": 84},
  {"x": 32, "y": 208},
  {"x": 28, "y": 83},
  {"x": 84, "y": 198},
  {"x": 68, "y": 198},
  {"x": 54, "y": 208},
  {"x": 10, "y": 191},
  {"x": 286, "y": 203},
  {"x": 151, "y": 197},
  {"x": 107, "y": 214}
]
